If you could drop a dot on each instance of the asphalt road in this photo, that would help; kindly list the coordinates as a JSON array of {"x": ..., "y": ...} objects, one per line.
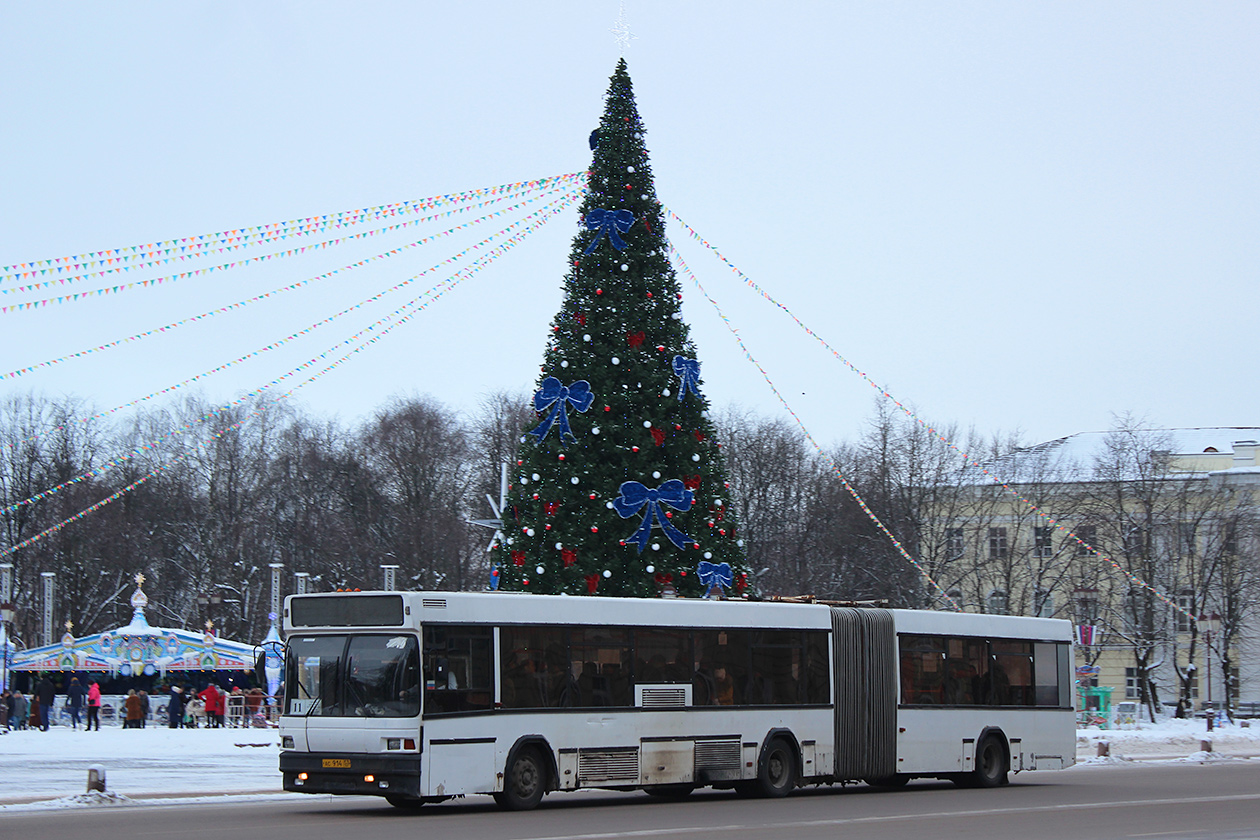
[{"x": 1168, "y": 802}]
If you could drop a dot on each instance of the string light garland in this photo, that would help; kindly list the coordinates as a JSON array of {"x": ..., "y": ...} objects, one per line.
[
  {"x": 403, "y": 314},
  {"x": 121, "y": 259},
  {"x": 849, "y": 488},
  {"x": 968, "y": 459},
  {"x": 292, "y": 287},
  {"x": 172, "y": 278}
]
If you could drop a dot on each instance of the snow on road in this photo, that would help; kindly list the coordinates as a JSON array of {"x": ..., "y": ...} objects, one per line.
[{"x": 49, "y": 769}]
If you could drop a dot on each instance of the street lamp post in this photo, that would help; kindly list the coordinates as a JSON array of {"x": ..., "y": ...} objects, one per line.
[{"x": 1208, "y": 623}]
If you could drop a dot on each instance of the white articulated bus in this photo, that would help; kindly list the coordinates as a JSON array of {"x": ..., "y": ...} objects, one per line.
[{"x": 422, "y": 696}]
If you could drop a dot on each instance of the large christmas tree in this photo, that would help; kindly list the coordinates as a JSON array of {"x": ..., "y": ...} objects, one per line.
[{"x": 621, "y": 487}]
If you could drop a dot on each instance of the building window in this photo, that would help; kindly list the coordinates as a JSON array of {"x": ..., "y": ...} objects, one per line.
[
  {"x": 998, "y": 603},
  {"x": 955, "y": 547},
  {"x": 1086, "y": 534},
  {"x": 1086, "y": 606},
  {"x": 1185, "y": 538},
  {"x": 1131, "y": 688},
  {"x": 1185, "y": 611},
  {"x": 1135, "y": 542},
  {"x": 1043, "y": 603},
  {"x": 1230, "y": 540},
  {"x": 1041, "y": 537},
  {"x": 997, "y": 543}
]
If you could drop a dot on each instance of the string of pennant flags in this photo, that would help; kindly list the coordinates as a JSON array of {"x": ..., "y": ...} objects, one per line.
[
  {"x": 363, "y": 338},
  {"x": 681, "y": 263},
  {"x": 162, "y": 330},
  {"x": 171, "y": 278},
  {"x": 134, "y": 257},
  {"x": 1014, "y": 492}
]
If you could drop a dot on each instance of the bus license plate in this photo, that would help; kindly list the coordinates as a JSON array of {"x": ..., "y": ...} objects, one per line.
[{"x": 337, "y": 762}]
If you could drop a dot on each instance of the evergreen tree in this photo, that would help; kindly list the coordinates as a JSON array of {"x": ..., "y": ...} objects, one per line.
[{"x": 620, "y": 488}]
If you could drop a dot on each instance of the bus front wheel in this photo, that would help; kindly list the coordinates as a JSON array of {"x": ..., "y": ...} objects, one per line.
[
  {"x": 777, "y": 774},
  {"x": 524, "y": 783}
]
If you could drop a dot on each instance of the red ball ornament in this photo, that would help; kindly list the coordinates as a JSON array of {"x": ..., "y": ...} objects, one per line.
[
  {"x": 634, "y": 449},
  {"x": 622, "y": 542},
  {"x": 661, "y": 347},
  {"x": 608, "y": 408},
  {"x": 519, "y": 463},
  {"x": 561, "y": 457},
  {"x": 669, "y": 515},
  {"x": 721, "y": 531},
  {"x": 525, "y": 582},
  {"x": 599, "y": 291},
  {"x": 594, "y": 529},
  {"x": 592, "y": 495},
  {"x": 683, "y": 573},
  {"x": 548, "y": 526},
  {"x": 649, "y": 294}
]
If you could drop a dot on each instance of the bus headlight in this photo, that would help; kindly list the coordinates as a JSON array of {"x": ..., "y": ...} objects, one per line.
[{"x": 286, "y": 742}]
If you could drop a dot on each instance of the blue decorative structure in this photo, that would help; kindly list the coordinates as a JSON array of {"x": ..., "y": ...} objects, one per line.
[
  {"x": 139, "y": 648},
  {"x": 715, "y": 577},
  {"x": 558, "y": 397},
  {"x": 612, "y": 222},
  {"x": 689, "y": 371}
]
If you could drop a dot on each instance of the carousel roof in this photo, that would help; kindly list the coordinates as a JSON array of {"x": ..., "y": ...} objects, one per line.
[{"x": 139, "y": 648}]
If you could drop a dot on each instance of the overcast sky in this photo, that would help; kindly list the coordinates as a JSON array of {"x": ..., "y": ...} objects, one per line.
[{"x": 1012, "y": 215}]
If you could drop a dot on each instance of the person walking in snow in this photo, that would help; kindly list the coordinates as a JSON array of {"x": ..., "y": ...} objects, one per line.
[
  {"x": 214, "y": 705},
  {"x": 175, "y": 708},
  {"x": 21, "y": 708},
  {"x": 144, "y": 708},
  {"x": 132, "y": 704},
  {"x": 45, "y": 694},
  {"x": 94, "y": 706},
  {"x": 74, "y": 701}
]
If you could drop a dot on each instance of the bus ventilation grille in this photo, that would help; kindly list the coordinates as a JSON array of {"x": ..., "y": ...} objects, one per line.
[
  {"x": 717, "y": 755},
  {"x": 433, "y": 603},
  {"x": 657, "y": 698},
  {"x": 615, "y": 765}
]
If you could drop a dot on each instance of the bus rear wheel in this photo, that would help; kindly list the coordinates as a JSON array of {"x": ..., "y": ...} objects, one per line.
[
  {"x": 407, "y": 803},
  {"x": 679, "y": 791},
  {"x": 990, "y": 769},
  {"x": 524, "y": 783}
]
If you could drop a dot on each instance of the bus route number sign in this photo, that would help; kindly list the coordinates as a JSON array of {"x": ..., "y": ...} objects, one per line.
[{"x": 337, "y": 762}]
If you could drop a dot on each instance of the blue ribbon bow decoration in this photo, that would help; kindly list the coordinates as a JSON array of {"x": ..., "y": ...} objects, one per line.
[
  {"x": 689, "y": 371},
  {"x": 552, "y": 393},
  {"x": 613, "y": 222},
  {"x": 715, "y": 574},
  {"x": 635, "y": 495}
]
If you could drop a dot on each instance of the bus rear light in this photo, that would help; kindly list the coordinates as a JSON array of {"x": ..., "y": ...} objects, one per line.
[
  {"x": 409, "y": 743},
  {"x": 369, "y": 778},
  {"x": 302, "y": 777}
]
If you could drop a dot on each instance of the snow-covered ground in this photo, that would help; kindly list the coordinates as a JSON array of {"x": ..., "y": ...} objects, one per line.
[{"x": 160, "y": 765}]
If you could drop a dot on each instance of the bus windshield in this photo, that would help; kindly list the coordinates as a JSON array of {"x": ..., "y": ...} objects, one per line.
[{"x": 373, "y": 675}]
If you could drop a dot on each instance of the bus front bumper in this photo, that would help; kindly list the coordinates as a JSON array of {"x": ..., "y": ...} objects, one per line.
[{"x": 359, "y": 774}]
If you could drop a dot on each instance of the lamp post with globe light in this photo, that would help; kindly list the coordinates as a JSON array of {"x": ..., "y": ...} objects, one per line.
[{"x": 1208, "y": 624}]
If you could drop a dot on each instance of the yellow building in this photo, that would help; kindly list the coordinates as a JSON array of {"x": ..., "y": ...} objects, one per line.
[{"x": 1149, "y": 535}]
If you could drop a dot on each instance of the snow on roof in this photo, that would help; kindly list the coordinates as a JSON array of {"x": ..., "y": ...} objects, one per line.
[{"x": 1073, "y": 458}]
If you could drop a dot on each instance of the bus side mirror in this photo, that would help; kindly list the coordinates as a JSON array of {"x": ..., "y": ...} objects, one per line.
[{"x": 260, "y": 669}]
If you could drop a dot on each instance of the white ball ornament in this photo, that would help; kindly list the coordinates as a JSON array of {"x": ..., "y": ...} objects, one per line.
[
  {"x": 573, "y": 480},
  {"x": 656, "y": 546},
  {"x": 739, "y": 543},
  {"x": 656, "y": 474},
  {"x": 629, "y": 168},
  {"x": 647, "y": 424},
  {"x": 529, "y": 532},
  {"x": 608, "y": 505},
  {"x": 616, "y": 361},
  {"x": 651, "y": 569},
  {"x": 586, "y": 337},
  {"x": 564, "y": 364},
  {"x": 607, "y": 573},
  {"x": 535, "y": 476},
  {"x": 538, "y": 570},
  {"x": 594, "y": 430},
  {"x": 559, "y": 546},
  {"x": 708, "y": 555},
  {"x": 695, "y": 457},
  {"x": 665, "y": 393}
]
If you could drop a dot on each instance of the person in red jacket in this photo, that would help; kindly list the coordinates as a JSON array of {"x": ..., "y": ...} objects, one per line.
[
  {"x": 213, "y": 699},
  {"x": 94, "y": 706}
]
